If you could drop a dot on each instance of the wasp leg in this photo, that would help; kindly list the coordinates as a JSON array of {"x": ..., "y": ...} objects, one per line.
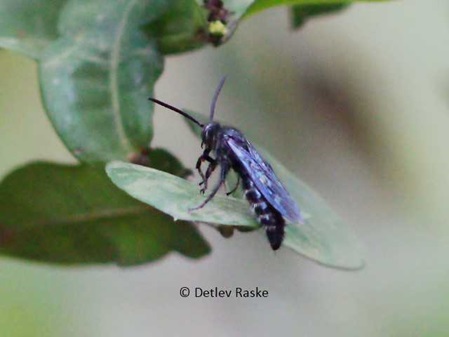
[
  {"x": 236, "y": 186},
  {"x": 224, "y": 170},
  {"x": 210, "y": 169},
  {"x": 204, "y": 157}
]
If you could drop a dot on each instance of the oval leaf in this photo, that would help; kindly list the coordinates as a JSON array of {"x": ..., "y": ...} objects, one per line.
[
  {"x": 323, "y": 238},
  {"x": 259, "y": 5},
  {"x": 74, "y": 215},
  {"x": 96, "y": 78}
]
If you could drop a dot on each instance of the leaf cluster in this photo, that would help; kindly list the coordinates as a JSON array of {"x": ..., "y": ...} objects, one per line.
[{"x": 98, "y": 62}]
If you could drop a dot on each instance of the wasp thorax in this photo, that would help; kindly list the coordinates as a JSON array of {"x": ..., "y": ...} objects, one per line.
[{"x": 209, "y": 135}]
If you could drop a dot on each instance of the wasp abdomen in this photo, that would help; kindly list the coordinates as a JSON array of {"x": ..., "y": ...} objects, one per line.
[{"x": 267, "y": 216}]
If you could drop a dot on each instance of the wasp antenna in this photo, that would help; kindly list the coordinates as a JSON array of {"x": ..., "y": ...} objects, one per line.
[
  {"x": 215, "y": 98},
  {"x": 171, "y": 107}
]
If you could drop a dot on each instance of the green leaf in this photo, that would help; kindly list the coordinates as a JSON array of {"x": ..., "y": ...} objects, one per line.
[
  {"x": 243, "y": 8},
  {"x": 97, "y": 77},
  {"x": 75, "y": 215},
  {"x": 223, "y": 16},
  {"x": 259, "y": 5},
  {"x": 324, "y": 231},
  {"x": 28, "y": 27},
  {"x": 164, "y": 161},
  {"x": 175, "y": 195},
  {"x": 323, "y": 238},
  {"x": 300, "y": 13},
  {"x": 178, "y": 30}
]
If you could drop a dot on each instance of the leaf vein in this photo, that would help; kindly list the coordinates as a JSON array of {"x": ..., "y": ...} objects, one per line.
[
  {"x": 114, "y": 80},
  {"x": 92, "y": 216}
]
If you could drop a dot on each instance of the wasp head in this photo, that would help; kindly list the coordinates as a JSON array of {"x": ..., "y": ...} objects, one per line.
[
  {"x": 209, "y": 135},
  {"x": 212, "y": 129}
]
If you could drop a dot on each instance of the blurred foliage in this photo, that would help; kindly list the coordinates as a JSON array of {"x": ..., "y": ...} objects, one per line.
[
  {"x": 73, "y": 214},
  {"x": 301, "y": 13}
]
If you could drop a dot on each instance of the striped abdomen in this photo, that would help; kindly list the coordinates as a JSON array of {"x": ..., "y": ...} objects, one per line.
[{"x": 267, "y": 216}]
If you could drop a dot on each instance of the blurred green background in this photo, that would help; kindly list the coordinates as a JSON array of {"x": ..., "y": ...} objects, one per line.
[{"x": 357, "y": 104}]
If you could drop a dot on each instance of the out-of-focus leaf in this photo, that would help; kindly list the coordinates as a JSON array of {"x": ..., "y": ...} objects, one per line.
[
  {"x": 162, "y": 160},
  {"x": 224, "y": 15},
  {"x": 28, "y": 27},
  {"x": 75, "y": 215},
  {"x": 301, "y": 13},
  {"x": 323, "y": 237},
  {"x": 179, "y": 29},
  {"x": 96, "y": 78},
  {"x": 259, "y": 5},
  {"x": 241, "y": 8},
  {"x": 194, "y": 127}
]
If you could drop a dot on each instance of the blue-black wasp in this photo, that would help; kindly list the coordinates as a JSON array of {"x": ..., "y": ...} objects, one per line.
[{"x": 269, "y": 199}]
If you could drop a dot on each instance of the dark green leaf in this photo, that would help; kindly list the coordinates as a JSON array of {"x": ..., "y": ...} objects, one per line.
[
  {"x": 179, "y": 29},
  {"x": 28, "y": 27},
  {"x": 164, "y": 161},
  {"x": 97, "y": 77},
  {"x": 323, "y": 238},
  {"x": 300, "y": 13},
  {"x": 259, "y": 5},
  {"x": 74, "y": 215}
]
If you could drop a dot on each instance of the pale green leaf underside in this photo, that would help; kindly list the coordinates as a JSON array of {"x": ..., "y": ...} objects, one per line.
[
  {"x": 323, "y": 238},
  {"x": 174, "y": 196}
]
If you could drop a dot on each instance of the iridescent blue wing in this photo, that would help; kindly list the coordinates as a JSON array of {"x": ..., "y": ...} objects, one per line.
[{"x": 263, "y": 176}]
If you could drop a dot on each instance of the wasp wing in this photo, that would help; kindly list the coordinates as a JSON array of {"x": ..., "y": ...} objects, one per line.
[{"x": 263, "y": 176}]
